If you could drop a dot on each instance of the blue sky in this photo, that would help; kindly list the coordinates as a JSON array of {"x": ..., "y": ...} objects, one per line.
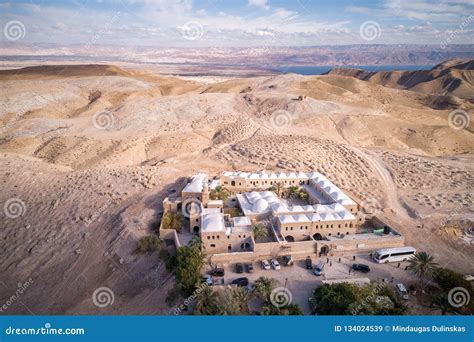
[{"x": 190, "y": 23}]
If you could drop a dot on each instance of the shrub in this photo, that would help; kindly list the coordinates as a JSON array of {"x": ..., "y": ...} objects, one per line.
[{"x": 149, "y": 243}]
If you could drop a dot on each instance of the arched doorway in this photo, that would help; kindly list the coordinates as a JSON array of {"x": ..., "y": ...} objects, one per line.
[
  {"x": 232, "y": 183},
  {"x": 324, "y": 250},
  {"x": 317, "y": 236},
  {"x": 245, "y": 246},
  {"x": 196, "y": 229},
  {"x": 289, "y": 238}
]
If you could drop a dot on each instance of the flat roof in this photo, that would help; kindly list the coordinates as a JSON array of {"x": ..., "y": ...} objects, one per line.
[{"x": 196, "y": 184}]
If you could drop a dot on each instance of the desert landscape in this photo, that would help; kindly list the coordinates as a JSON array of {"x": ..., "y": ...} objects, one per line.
[{"x": 89, "y": 151}]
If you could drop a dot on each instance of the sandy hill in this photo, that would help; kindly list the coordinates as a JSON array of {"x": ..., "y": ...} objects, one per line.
[
  {"x": 454, "y": 77},
  {"x": 91, "y": 151}
]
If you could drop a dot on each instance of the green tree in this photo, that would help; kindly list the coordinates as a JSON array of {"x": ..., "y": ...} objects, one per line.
[
  {"x": 219, "y": 193},
  {"x": 277, "y": 188},
  {"x": 190, "y": 260},
  {"x": 171, "y": 221},
  {"x": 263, "y": 288},
  {"x": 423, "y": 266},
  {"x": 441, "y": 303},
  {"x": 259, "y": 231},
  {"x": 207, "y": 302}
]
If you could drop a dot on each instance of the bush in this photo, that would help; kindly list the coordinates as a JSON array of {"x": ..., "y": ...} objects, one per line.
[
  {"x": 172, "y": 221},
  {"x": 149, "y": 243}
]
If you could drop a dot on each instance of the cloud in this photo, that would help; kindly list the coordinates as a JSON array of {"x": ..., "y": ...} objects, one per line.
[{"x": 259, "y": 3}]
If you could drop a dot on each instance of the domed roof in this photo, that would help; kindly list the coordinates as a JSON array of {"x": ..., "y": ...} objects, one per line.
[{"x": 260, "y": 205}]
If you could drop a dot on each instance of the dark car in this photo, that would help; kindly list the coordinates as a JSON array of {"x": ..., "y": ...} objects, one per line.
[
  {"x": 309, "y": 263},
  {"x": 217, "y": 272},
  {"x": 249, "y": 268},
  {"x": 287, "y": 260},
  {"x": 239, "y": 268},
  {"x": 361, "y": 268},
  {"x": 241, "y": 281}
]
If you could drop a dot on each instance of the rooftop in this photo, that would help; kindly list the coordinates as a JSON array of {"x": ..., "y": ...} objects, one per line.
[{"x": 196, "y": 184}]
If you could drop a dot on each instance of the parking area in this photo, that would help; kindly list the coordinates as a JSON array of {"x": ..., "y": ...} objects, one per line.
[{"x": 302, "y": 282}]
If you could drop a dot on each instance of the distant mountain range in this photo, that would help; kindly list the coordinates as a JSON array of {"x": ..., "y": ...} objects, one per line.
[
  {"x": 453, "y": 77},
  {"x": 264, "y": 56}
]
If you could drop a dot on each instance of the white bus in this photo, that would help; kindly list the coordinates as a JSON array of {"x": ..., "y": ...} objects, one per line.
[{"x": 393, "y": 254}]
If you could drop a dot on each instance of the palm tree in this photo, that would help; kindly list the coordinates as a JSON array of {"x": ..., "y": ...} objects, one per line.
[
  {"x": 220, "y": 193},
  {"x": 263, "y": 288},
  {"x": 277, "y": 187},
  {"x": 441, "y": 302},
  {"x": 259, "y": 231},
  {"x": 229, "y": 302},
  {"x": 422, "y": 265},
  {"x": 207, "y": 302},
  {"x": 242, "y": 297}
]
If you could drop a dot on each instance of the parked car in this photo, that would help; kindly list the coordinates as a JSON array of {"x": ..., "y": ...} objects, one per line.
[
  {"x": 469, "y": 277},
  {"x": 309, "y": 263},
  {"x": 244, "y": 281},
  {"x": 265, "y": 264},
  {"x": 361, "y": 268},
  {"x": 207, "y": 279},
  {"x": 249, "y": 268},
  {"x": 319, "y": 268},
  {"x": 217, "y": 272},
  {"x": 275, "y": 264},
  {"x": 402, "y": 291},
  {"x": 288, "y": 260},
  {"x": 239, "y": 268}
]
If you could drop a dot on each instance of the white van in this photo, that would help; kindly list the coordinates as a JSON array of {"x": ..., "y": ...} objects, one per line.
[
  {"x": 402, "y": 291},
  {"x": 319, "y": 268}
]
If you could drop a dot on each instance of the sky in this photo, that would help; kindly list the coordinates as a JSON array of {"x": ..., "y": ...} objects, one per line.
[{"x": 239, "y": 23}]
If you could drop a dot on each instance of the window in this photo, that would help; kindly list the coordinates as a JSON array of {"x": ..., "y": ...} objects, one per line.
[
  {"x": 208, "y": 237},
  {"x": 213, "y": 237},
  {"x": 217, "y": 237},
  {"x": 286, "y": 228},
  {"x": 339, "y": 226},
  {"x": 212, "y": 245}
]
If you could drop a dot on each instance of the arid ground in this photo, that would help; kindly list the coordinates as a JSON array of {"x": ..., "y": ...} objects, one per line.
[{"x": 87, "y": 154}]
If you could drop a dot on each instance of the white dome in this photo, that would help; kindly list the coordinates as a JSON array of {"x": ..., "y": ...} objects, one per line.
[{"x": 260, "y": 205}]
